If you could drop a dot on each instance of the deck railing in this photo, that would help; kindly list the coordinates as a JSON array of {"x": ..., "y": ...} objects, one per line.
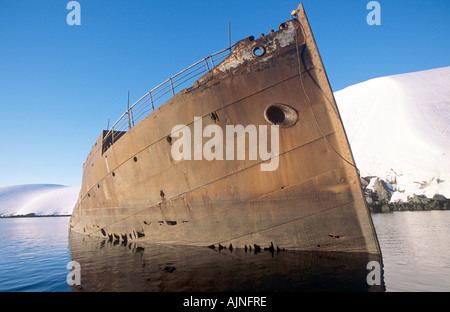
[{"x": 161, "y": 93}]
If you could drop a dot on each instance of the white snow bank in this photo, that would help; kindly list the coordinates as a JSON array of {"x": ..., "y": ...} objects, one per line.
[
  {"x": 399, "y": 130},
  {"x": 40, "y": 199}
]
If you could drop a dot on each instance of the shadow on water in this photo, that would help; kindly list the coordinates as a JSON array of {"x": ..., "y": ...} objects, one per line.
[{"x": 119, "y": 266}]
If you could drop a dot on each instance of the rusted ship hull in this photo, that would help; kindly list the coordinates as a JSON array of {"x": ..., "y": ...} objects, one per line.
[{"x": 134, "y": 189}]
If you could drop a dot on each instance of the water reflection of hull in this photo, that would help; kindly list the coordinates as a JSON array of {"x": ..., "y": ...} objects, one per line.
[{"x": 118, "y": 266}]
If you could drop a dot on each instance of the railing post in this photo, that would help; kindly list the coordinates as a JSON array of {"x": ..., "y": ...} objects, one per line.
[
  {"x": 206, "y": 62},
  {"x": 132, "y": 117},
  {"x": 171, "y": 86},
  {"x": 151, "y": 100},
  {"x": 129, "y": 119},
  {"x": 128, "y": 111}
]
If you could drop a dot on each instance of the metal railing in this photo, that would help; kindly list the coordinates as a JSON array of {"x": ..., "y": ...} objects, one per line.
[{"x": 158, "y": 95}]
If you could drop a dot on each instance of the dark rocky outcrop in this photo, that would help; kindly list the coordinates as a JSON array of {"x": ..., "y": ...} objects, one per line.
[{"x": 378, "y": 199}]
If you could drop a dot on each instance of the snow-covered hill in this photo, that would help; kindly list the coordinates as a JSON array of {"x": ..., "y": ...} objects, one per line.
[
  {"x": 399, "y": 130},
  {"x": 39, "y": 199}
]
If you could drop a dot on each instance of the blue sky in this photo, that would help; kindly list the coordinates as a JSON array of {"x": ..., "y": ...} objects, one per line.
[{"x": 59, "y": 84}]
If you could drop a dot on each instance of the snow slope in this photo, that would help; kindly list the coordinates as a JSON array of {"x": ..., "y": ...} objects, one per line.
[
  {"x": 399, "y": 130},
  {"x": 40, "y": 199}
]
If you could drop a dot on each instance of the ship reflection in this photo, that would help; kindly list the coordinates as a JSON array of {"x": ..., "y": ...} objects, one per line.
[{"x": 118, "y": 266}]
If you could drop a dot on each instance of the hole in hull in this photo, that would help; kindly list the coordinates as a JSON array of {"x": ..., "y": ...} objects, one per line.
[
  {"x": 259, "y": 51},
  {"x": 281, "y": 115}
]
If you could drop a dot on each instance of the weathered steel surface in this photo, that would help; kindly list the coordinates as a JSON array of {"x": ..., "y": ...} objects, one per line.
[{"x": 135, "y": 190}]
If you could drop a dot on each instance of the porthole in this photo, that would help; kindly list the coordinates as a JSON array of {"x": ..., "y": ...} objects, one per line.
[
  {"x": 259, "y": 51},
  {"x": 113, "y": 174},
  {"x": 135, "y": 159},
  {"x": 281, "y": 115},
  {"x": 275, "y": 115}
]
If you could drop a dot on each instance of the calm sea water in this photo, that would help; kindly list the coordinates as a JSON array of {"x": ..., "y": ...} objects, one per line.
[
  {"x": 34, "y": 253},
  {"x": 416, "y": 250}
]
